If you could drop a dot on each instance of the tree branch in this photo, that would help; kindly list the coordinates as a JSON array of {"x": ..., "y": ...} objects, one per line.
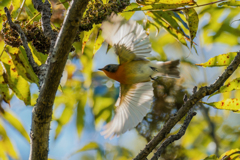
[
  {"x": 175, "y": 137},
  {"x": 42, "y": 112},
  {"x": 18, "y": 29},
  {"x": 193, "y": 99},
  {"x": 211, "y": 127}
]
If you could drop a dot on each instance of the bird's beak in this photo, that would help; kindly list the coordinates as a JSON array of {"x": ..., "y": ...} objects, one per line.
[{"x": 100, "y": 69}]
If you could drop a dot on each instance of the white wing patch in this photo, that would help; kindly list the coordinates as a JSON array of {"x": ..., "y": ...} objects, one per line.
[
  {"x": 130, "y": 109},
  {"x": 116, "y": 30}
]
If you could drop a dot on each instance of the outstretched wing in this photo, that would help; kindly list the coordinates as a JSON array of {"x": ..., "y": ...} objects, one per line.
[
  {"x": 128, "y": 37},
  {"x": 132, "y": 105}
]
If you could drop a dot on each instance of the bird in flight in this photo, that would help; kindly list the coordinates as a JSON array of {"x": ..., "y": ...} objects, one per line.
[{"x": 135, "y": 72}]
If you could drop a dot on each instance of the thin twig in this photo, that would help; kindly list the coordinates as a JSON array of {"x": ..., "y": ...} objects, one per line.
[
  {"x": 5, "y": 45},
  {"x": 175, "y": 137},
  {"x": 21, "y": 8},
  {"x": 181, "y": 8},
  {"x": 18, "y": 29},
  {"x": 192, "y": 100},
  {"x": 211, "y": 127},
  {"x": 32, "y": 19}
]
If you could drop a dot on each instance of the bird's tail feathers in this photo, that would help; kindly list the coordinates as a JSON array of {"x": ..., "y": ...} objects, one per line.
[{"x": 166, "y": 69}]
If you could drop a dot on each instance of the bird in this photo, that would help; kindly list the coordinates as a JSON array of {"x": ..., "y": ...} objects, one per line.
[{"x": 135, "y": 73}]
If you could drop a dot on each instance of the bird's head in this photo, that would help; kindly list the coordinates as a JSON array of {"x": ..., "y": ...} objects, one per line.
[{"x": 110, "y": 68}]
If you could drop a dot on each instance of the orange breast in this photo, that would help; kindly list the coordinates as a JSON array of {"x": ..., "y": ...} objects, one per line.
[{"x": 119, "y": 75}]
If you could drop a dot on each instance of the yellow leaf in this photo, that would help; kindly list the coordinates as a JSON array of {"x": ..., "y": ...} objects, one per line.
[
  {"x": 220, "y": 60},
  {"x": 6, "y": 143},
  {"x": 227, "y": 104},
  {"x": 11, "y": 119},
  {"x": 230, "y": 154},
  {"x": 186, "y": 2},
  {"x": 230, "y": 86}
]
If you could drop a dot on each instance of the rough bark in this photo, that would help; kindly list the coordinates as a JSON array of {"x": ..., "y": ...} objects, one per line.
[{"x": 42, "y": 112}]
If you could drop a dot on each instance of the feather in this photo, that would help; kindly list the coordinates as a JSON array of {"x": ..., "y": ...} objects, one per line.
[
  {"x": 117, "y": 31},
  {"x": 132, "y": 105}
]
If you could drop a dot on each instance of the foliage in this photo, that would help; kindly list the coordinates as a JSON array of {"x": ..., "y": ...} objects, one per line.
[{"x": 173, "y": 26}]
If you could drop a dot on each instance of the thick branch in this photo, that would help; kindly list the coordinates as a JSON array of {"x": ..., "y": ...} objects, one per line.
[
  {"x": 18, "y": 29},
  {"x": 42, "y": 112},
  {"x": 202, "y": 92},
  {"x": 175, "y": 137}
]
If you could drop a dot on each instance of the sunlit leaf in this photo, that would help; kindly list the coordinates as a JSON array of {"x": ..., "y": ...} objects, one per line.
[
  {"x": 6, "y": 144},
  {"x": 220, "y": 60},
  {"x": 85, "y": 37},
  {"x": 70, "y": 68},
  {"x": 162, "y": 5},
  {"x": 65, "y": 3},
  {"x": 87, "y": 57},
  {"x": 165, "y": 20},
  {"x": 186, "y": 2},
  {"x": 31, "y": 11},
  {"x": 98, "y": 42},
  {"x": 212, "y": 157},
  {"x": 4, "y": 91},
  {"x": 16, "y": 5},
  {"x": 17, "y": 83},
  {"x": 89, "y": 146},
  {"x": 230, "y": 86},
  {"x": 38, "y": 56},
  {"x": 192, "y": 18},
  {"x": 102, "y": 108},
  {"x": 63, "y": 120},
  {"x": 227, "y": 104},
  {"x": 230, "y": 3},
  {"x": 128, "y": 15},
  {"x": 231, "y": 154},
  {"x": 81, "y": 112},
  {"x": 105, "y": 1},
  {"x": 11, "y": 119},
  {"x": 22, "y": 65}
]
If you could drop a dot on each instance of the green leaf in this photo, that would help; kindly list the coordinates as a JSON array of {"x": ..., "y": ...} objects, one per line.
[
  {"x": 31, "y": 11},
  {"x": 230, "y": 3},
  {"x": 227, "y": 104},
  {"x": 22, "y": 65},
  {"x": 220, "y": 60},
  {"x": 192, "y": 18},
  {"x": 212, "y": 157},
  {"x": 17, "y": 83},
  {"x": 230, "y": 154},
  {"x": 38, "y": 56},
  {"x": 231, "y": 86},
  {"x": 65, "y": 3},
  {"x": 166, "y": 20},
  {"x": 102, "y": 108},
  {"x": 127, "y": 15},
  {"x": 98, "y": 42},
  {"x": 89, "y": 146},
  {"x": 185, "y": 2},
  {"x": 63, "y": 120},
  {"x": 81, "y": 112},
  {"x": 16, "y": 7},
  {"x": 4, "y": 91},
  {"x": 6, "y": 144},
  {"x": 162, "y": 5},
  {"x": 11, "y": 119}
]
